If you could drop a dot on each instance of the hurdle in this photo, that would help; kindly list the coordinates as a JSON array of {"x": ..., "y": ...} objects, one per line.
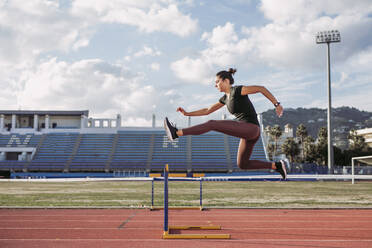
[
  {"x": 200, "y": 207},
  {"x": 167, "y": 232}
]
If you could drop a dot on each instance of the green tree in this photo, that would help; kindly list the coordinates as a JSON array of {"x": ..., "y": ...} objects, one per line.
[
  {"x": 322, "y": 146},
  {"x": 358, "y": 143},
  {"x": 301, "y": 133},
  {"x": 275, "y": 133},
  {"x": 291, "y": 149},
  {"x": 309, "y": 149},
  {"x": 357, "y": 148},
  {"x": 339, "y": 156},
  {"x": 270, "y": 150}
]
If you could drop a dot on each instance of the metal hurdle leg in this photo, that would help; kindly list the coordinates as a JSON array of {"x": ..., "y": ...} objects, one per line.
[
  {"x": 201, "y": 194},
  {"x": 167, "y": 229},
  {"x": 152, "y": 194}
]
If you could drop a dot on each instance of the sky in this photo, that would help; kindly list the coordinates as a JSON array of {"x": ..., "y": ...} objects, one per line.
[{"x": 142, "y": 57}]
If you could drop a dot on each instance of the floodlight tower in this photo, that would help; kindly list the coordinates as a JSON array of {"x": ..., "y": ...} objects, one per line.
[{"x": 329, "y": 37}]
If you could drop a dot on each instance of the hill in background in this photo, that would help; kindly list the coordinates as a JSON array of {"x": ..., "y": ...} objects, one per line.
[{"x": 344, "y": 119}]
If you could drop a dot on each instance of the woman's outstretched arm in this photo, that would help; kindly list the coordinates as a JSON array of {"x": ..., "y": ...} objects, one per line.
[
  {"x": 261, "y": 89},
  {"x": 200, "y": 112}
]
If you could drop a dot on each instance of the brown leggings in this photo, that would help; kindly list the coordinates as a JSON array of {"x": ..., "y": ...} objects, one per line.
[{"x": 247, "y": 132}]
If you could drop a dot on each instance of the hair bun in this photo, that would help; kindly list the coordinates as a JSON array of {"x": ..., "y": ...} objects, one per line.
[{"x": 232, "y": 71}]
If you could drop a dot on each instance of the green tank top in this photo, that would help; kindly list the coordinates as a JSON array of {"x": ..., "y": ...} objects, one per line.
[{"x": 240, "y": 106}]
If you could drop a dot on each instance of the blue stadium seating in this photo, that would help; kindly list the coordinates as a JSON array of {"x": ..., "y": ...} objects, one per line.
[
  {"x": 167, "y": 152},
  {"x": 93, "y": 152},
  {"x": 129, "y": 150},
  {"x": 209, "y": 153},
  {"x": 132, "y": 150},
  {"x": 54, "y": 152}
]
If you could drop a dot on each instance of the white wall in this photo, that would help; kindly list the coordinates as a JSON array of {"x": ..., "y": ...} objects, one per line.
[{"x": 65, "y": 121}]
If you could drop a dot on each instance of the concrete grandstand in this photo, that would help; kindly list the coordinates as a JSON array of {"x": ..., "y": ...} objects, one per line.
[{"x": 71, "y": 142}]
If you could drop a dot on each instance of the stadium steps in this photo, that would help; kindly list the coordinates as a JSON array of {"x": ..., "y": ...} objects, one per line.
[
  {"x": 54, "y": 152},
  {"x": 227, "y": 152},
  {"x": 189, "y": 154},
  {"x": 113, "y": 150},
  {"x": 149, "y": 155},
  {"x": 74, "y": 152}
]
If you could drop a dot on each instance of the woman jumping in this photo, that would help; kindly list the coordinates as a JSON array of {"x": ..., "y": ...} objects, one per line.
[{"x": 245, "y": 126}]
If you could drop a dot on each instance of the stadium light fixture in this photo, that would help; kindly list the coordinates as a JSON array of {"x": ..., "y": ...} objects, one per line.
[{"x": 329, "y": 37}]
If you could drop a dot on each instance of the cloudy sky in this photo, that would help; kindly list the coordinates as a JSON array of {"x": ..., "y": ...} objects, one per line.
[{"x": 139, "y": 57}]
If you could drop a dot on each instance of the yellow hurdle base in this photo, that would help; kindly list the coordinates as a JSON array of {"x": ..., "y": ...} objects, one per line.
[
  {"x": 178, "y": 208},
  {"x": 168, "y": 235},
  {"x": 195, "y": 228}
]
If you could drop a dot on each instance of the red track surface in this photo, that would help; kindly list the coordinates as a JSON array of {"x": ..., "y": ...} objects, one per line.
[{"x": 143, "y": 228}]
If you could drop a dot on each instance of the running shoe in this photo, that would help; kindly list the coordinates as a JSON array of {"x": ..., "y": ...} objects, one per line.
[
  {"x": 170, "y": 129},
  {"x": 280, "y": 167}
]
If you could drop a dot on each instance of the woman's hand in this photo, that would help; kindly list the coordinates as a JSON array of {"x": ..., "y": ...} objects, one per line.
[
  {"x": 180, "y": 109},
  {"x": 279, "y": 110}
]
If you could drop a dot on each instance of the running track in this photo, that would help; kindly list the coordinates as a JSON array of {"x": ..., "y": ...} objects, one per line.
[{"x": 143, "y": 228}]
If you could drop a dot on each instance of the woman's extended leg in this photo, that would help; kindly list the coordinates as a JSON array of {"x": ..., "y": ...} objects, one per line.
[{"x": 239, "y": 129}]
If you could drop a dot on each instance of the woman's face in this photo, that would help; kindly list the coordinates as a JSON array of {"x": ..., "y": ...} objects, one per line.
[{"x": 221, "y": 85}]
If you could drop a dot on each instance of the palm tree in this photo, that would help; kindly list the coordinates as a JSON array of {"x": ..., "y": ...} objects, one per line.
[
  {"x": 309, "y": 149},
  {"x": 270, "y": 150},
  {"x": 275, "y": 133},
  {"x": 322, "y": 146},
  {"x": 301, "y": 133},
  {"x": 358, "y": 142},
  {"x": 291, "y": 149}
]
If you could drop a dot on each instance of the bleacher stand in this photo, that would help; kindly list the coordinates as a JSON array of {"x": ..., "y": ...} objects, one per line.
[{"x": 128, "y": 150}]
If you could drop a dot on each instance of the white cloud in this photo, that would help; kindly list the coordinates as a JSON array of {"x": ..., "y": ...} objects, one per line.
[
  {"x": 105, "y": 89},
  {"x": 28, "y": 29},
  {"x": 288, "y": 41},
  {"x": 87, "y": 84},
  {"x": 355, "y": 73},
  {"x": 136, "y": 122},
  {"x": 289, "y": 38},
  {"x": 155, "y": 66},
  {"x": 193, "y": 70},
  {"x": 224, "y": 50},
  {"x": 33, "y": 79},
  {"x": 147, "y": 51},
  {"x": 359, "y": 98},
  {"x": 287, "y": 45},
  {"x": 148, "y": 16},
  {"x": 221, "y": 36}
]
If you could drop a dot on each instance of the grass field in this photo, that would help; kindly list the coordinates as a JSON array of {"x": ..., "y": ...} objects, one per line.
[{"x": 267, "y": 194}]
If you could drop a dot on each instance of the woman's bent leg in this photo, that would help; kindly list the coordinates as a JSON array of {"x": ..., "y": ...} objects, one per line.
[{"x": 244, "y": 154}]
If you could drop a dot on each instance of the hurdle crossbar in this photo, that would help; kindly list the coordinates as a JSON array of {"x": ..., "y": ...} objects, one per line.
[
  {"x": 167, "y": 234},
  {"x": 200, "y": 207}
]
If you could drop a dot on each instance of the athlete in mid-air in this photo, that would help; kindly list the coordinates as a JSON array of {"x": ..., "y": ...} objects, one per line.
[{"x": 245, "y": 126}]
